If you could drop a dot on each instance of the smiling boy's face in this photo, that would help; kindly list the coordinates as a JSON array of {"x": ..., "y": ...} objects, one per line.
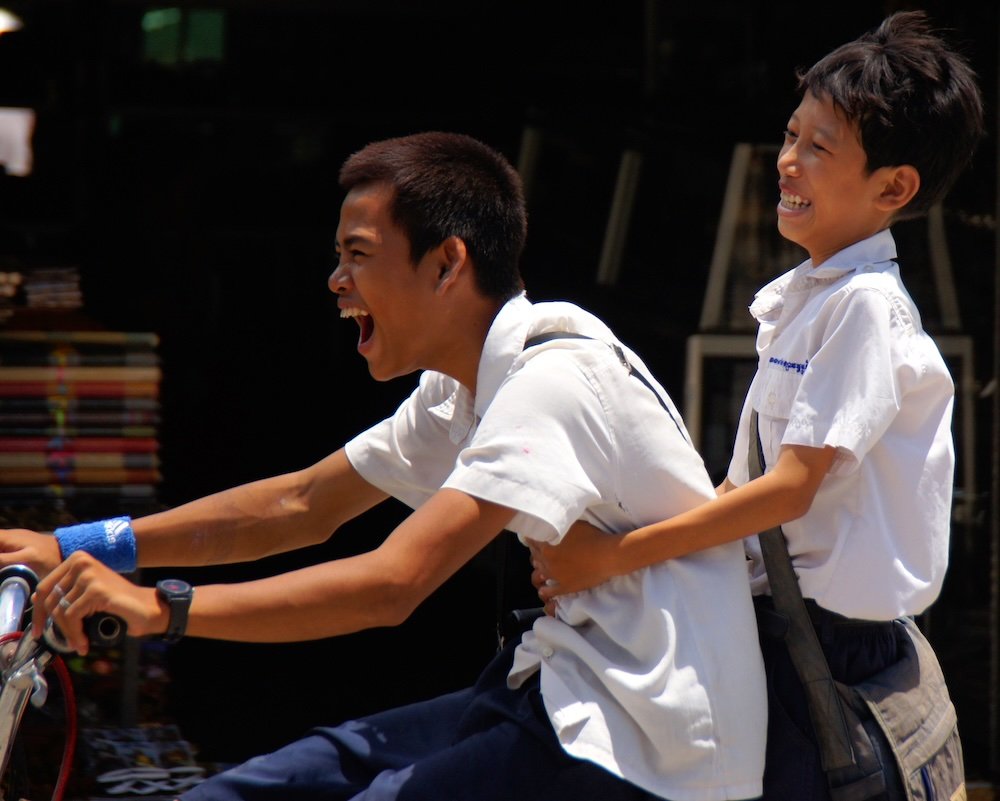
[
  {"x": 379, "y": 285},
  {"x": 828, "y": 199}
]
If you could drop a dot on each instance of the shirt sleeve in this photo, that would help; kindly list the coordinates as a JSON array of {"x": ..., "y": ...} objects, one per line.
[
  {"x": 409, "y": 454},
  {"x": 850, "y": 393},
  {"x": 543, "y": 448}
]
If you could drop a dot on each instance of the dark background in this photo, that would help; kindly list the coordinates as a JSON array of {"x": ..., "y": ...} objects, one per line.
[{"x": 199, "y": 200}]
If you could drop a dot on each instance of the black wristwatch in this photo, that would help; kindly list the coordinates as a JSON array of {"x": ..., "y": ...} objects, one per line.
[{"x": 177, "y": 594}]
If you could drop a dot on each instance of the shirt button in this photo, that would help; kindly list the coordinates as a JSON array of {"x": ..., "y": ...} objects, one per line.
[
  {"x": 771, "y": 398},
  {"x": 547, "y": 652}
]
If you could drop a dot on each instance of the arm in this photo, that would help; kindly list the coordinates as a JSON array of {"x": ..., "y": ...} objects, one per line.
[
  {"x": 588, "y": 556},
  {"x": 247, "y": 522},
  {"x": 378, "y": 588},
  {"x": 258, "y": 519}
]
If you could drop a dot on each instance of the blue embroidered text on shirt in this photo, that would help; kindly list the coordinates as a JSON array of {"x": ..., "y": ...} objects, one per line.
[{"x": 798, "y": 367}]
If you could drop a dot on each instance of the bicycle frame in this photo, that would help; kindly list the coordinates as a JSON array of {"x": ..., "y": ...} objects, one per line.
[
  {"x": 24, "y": 658},
  {"x": 22, "y": 662}
]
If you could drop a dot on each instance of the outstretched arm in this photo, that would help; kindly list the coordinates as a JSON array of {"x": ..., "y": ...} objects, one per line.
[
  {"x": 247, "y": 522},
  {"x": 378, "y": 588},
  {"x": 588, "y": 556},
  {"x": 258, "y": 519}
]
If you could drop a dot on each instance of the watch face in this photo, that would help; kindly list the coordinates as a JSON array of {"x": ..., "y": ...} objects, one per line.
[{"x": 174, "y": 585}]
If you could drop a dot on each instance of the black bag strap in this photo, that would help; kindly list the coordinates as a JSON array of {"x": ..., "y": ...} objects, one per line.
[
  {"x": 825, "y": 709},
  {"x": 549, "y": 336}
]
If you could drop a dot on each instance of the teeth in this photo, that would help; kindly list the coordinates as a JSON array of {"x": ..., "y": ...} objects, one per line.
[
  {"x": 353, "y": 312},
  {"x": 794, "y": 201}
]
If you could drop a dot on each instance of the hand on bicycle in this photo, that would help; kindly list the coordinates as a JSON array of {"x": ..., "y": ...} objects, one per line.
[{"x": 81, "y": 587}]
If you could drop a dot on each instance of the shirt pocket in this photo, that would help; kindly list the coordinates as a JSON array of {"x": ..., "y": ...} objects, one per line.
[{"x": 777, "y": 386}]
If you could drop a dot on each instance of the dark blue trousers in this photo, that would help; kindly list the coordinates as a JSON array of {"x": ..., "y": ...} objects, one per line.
[
  {"x": 855, "y": 650},
  {"x": 485, "y": 743}
]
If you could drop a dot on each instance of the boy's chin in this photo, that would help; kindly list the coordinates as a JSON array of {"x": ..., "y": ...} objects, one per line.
[{"x": 788, "y": 232}]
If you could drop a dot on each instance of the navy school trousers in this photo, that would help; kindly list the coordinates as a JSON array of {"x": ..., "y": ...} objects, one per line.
[{"x": 484, "y": 743}]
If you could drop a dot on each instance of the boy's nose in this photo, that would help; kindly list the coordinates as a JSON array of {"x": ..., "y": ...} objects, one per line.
[
  {"x": 338, "y": 280},
  {"x": 788, "y": 161}
]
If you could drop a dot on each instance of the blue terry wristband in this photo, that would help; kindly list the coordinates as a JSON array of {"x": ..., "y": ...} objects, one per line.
[{"x": 111, "y": 541}]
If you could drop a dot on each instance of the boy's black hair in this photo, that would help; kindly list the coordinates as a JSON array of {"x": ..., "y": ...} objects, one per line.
[
  {"x": 449, "y": 184},
  {"x": 914, "y": 99}
]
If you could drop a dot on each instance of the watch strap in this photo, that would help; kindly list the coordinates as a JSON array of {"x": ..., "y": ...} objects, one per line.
[{"x": 177, "y": 595}]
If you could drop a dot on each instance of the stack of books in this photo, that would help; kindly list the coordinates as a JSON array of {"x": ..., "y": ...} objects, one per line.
[
  {"x": 79, "y": 416},
  {"x": 53, "y": 288}
]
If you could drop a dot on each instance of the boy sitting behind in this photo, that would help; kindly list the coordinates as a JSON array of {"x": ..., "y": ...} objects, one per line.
[{"x": 854, "y": 399}]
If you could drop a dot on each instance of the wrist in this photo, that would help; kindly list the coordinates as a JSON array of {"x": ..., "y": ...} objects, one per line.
[
  {"x": 176, "y": 596},
  {"x": 616, "y": 554},
  {"x": 159, "y": 621},
  {"x": 625, "y": 553},
  {"x": 110, "y": 541}
]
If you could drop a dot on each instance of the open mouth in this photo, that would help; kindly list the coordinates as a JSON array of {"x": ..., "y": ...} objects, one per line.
[
  {"x": 792, "y": 201},
  {"x": 364, "y": 321}
]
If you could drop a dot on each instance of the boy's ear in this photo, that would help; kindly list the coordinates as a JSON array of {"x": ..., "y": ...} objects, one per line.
[
  {"x": 900, "y": 185},
  {"x": 454, "y": 259}
]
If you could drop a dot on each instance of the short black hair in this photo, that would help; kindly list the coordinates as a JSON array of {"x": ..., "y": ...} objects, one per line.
[
  {"x": 914, "y": 99},
  {"x": 449, "y": 184}
]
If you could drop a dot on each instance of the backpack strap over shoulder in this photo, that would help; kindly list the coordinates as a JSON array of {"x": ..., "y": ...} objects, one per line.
[{"x": 551, "y": 335}]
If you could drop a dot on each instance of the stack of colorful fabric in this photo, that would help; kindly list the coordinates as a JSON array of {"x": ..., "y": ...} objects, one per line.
[{"x": 79, "y": 415}]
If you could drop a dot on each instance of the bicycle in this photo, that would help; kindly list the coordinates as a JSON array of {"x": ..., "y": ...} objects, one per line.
[{"x": 24, "y": 660}]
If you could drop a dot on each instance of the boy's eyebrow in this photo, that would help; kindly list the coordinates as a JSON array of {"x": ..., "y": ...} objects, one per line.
[
  {"x": 352, "y": 239},
  {"x": 823, "y": 131}
]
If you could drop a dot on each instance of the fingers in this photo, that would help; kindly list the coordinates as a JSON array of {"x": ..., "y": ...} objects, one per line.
[
  {"x": 45, "y": 597},
  {"x": 60, "y": 597},
  {"x": 538, "y": 578},
  {"x": 68, "y": 620}
]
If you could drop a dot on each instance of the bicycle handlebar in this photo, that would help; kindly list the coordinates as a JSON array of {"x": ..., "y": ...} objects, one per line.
[{"x": 17, "y": 582}]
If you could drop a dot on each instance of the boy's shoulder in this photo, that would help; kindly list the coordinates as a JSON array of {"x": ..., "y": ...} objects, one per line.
[{"x": 880, "y": 286}]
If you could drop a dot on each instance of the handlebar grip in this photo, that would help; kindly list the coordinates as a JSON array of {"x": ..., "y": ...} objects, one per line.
[
  {"x": 22, "y": 572},
  {"x": 105, "y": 630}
]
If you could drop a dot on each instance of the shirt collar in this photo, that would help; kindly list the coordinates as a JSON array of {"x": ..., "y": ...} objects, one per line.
[
  {"x": 504, "y": 341},
  {"x": 879, "y": 249},
  {"x": 517, "y": 320}
]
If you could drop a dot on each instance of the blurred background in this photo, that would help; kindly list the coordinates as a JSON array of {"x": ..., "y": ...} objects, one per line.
[{"x": 180, "y": 161}]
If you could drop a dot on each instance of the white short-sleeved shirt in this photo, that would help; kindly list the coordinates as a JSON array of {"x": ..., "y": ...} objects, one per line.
[
  {"x": 844, "y": 362},
  {"x": 657, "y": 675}
]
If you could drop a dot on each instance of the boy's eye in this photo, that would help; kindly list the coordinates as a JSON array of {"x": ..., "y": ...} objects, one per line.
[{"x": 790, "y": 134}]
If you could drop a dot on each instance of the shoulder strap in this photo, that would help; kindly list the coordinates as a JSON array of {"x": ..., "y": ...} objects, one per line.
[
  {"x": 548, "y": 337},
  {"x": 803, "y": 645}
]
